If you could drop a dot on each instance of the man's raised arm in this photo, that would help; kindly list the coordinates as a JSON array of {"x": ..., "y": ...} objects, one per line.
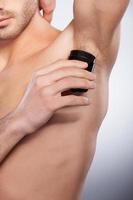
[{"x": 96, "y": 24}]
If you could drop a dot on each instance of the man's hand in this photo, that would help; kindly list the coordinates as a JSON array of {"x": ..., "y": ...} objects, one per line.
[
  {"x": 48, "y": 7},
  {"x": 43, "y": 95},
  {"x": 42, "y": 98}
]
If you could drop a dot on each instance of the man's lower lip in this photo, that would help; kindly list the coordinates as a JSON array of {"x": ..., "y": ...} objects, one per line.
[{"x": 4, "y": 22}]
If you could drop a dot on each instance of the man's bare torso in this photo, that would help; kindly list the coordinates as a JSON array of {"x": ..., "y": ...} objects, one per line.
[{"x": 52, "y": 163}]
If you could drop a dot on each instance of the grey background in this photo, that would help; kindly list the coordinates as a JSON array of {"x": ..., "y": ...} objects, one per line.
[{"x": 111, "y": 173}]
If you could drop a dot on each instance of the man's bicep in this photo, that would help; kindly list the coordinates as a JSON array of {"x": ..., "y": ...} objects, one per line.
[{"x": 95, "y": 21}]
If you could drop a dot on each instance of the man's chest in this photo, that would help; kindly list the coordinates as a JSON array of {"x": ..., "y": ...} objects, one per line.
[
  {"x": 12, "y": 87},
  {"x": 15, "y": 79}
]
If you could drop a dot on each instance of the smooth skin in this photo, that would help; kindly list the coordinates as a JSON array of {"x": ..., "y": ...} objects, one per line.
[
  {"x": 52, "y": 162},
  {"x": 45, "y": 90}
]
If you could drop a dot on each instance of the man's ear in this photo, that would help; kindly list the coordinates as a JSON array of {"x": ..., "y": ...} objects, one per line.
[{"x": 48, "y": 7}]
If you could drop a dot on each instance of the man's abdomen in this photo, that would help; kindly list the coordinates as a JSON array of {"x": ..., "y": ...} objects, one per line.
[{"x": 52, "y": 163}]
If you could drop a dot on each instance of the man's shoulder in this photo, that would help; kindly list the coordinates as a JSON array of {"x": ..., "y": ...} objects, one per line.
[{"x": 58, "y": 48}]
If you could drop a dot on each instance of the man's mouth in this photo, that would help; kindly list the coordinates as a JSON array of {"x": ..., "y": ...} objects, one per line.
[
  {"x": 3, "y": 18},
  {"x": 4, "y": 21}
]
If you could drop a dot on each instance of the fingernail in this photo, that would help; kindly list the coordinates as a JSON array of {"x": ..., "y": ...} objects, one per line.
[{"x": 85, "y": 65}]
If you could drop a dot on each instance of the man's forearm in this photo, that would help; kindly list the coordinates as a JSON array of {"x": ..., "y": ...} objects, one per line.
[{"x": 10, "y": 134}]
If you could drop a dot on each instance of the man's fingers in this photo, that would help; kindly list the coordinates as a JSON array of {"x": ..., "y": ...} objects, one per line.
[
  {"x": 48, "y": 7},
  {"x": 48, "y": 17}
]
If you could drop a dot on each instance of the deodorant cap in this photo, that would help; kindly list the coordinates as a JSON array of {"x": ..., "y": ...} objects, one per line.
[{"x": 83, "y": 56}]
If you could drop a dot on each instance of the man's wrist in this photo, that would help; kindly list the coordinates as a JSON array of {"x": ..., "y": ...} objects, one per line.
[
  {"x": 12, "y": 124},
  {"x": 16, "y": 125},
  {"x": 18, "y": 122},
  {"x": 11, "y": 132}
]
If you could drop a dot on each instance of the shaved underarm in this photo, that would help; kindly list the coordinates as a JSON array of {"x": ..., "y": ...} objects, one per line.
[{"x": 97, "y": 27}]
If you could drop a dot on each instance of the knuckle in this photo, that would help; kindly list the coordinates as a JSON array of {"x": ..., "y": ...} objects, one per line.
[
  {"x": 77, "y": 62},
  {"x": 77, "y": 100},
  {"x": 73, "y": 99},
  {"x": 85, "y": 100},
  {"x": 80, "y": 63},
  {"x": 83, "y": 73},
  {"x": 48, "y": 91},
  {"x": 82, "y": 100},
  {"x": 93, "y": 84},
  {"x": 92, "y": 75},
  {"x": 69, "y": 62},
  {"x": 42, "y": 81},
  {"x": 86, "y": 83},
  {"x": 74, "y": 61}
]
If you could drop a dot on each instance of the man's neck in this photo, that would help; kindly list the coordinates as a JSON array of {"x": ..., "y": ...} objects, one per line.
[{"x": 38, "y": 34}]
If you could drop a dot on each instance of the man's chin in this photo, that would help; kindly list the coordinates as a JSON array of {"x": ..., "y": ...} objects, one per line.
[{"x": 7, "y": 34}]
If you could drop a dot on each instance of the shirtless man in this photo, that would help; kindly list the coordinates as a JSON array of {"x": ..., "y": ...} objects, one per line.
[{"x": 54, "y": 136}]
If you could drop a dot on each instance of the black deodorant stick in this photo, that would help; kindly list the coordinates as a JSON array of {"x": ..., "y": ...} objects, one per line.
[{"x": 85, "y": 57}]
